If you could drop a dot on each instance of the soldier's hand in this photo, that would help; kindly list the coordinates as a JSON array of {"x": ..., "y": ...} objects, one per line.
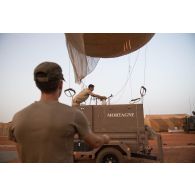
[{"x": 106, "y": 138}]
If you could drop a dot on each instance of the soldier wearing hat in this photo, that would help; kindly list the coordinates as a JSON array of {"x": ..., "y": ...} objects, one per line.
[
  {"x": 45, "y": 130},
  {"x": 84, "y": 94}
]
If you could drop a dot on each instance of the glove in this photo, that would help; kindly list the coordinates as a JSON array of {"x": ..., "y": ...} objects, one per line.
[{"x": 103, "y": 98}]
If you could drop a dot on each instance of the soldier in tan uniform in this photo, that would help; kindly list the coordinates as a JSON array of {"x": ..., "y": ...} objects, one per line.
[
  {"x": 84, "y": 94},
  {"x": 44, "y": 131}
]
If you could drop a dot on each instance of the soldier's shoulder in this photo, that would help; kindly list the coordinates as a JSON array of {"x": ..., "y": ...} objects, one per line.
[{"x": 69, "y": 108}]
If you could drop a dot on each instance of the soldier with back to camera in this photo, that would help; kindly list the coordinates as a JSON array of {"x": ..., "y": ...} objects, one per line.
[{"x": 44, "y": 131}]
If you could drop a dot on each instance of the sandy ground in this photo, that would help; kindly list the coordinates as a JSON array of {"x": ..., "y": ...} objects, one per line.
[{"x": 177, "y": 148}]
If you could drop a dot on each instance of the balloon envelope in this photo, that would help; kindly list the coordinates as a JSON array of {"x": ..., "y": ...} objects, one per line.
[{"x": 85, "y": 49}]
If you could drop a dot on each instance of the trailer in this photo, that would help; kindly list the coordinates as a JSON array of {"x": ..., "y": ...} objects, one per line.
[{"x": 124, "y": 124}]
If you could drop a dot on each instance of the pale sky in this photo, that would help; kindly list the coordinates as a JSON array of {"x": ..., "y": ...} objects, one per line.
[{"x": 168, "y": 60}]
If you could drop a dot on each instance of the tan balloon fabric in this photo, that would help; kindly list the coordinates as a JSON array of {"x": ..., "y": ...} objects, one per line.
[
  {"x": 82, "y": 64},
  {"x": 85, "y": 49},
  {"x": 109, "y": 45}
]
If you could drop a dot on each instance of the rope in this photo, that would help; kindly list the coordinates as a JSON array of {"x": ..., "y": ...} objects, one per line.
[
  {"x": 69, "y": 74},
  {"x": 83, "y": 84},
  {"x": 145, "y": 65},
  {"x": 128, "y": 78},
  {"x": 130, "y": 86}
]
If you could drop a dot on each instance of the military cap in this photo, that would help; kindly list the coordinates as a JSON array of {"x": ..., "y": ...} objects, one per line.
[{"x": 48, "y": 71}]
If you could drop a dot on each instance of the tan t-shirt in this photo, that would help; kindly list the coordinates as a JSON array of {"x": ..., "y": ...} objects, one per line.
[
  {"x": 83, "y": 95},
  {"x": 45, "y": 131}
]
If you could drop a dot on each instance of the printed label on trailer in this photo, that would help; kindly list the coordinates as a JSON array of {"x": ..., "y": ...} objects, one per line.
[{"x": 121, "y": 115}]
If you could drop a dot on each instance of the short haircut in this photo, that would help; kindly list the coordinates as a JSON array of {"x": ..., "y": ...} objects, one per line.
[
  {"x": 47, "y": 76},
  {"x": 47, "y": 87},
  {"x": 91, "y": 86}
]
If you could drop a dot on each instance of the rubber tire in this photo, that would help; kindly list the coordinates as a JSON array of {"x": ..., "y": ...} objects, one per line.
[{"x": 113, "y": 154}]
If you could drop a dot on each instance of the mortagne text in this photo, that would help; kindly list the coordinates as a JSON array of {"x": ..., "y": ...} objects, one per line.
[{"x": 119, "y": 115}]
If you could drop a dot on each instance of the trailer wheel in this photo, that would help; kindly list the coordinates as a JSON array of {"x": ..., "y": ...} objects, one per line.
[{"x": 109, "y": 155}]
